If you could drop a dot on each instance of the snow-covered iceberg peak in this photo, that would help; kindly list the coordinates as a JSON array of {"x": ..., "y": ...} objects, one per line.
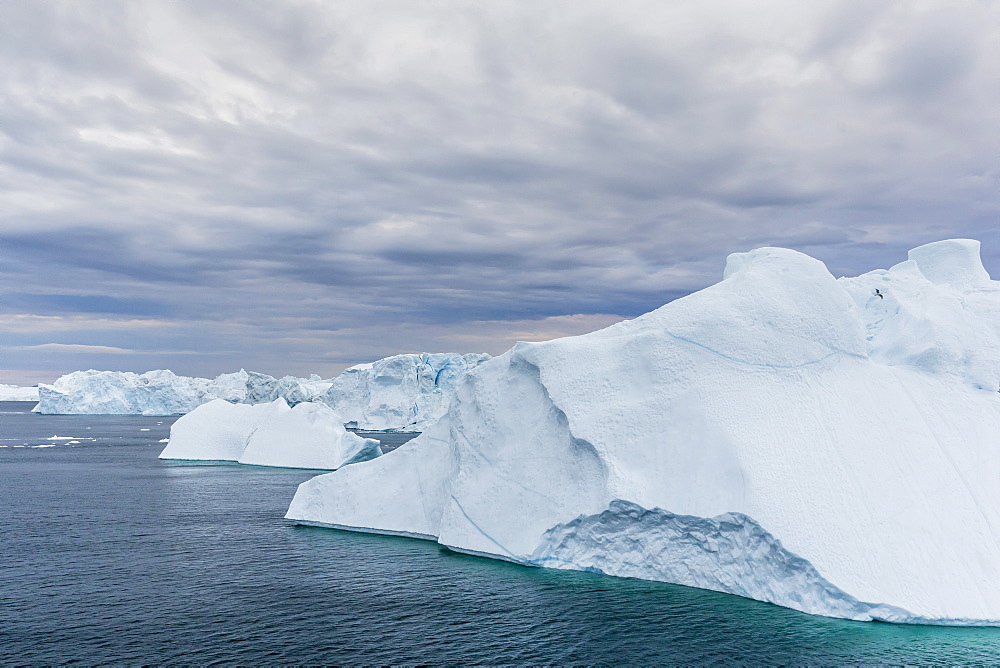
[
  {"x": 938, "y": 312},
  {"x": 778, "y": 295},
  {"x": 954, "y": 262},
  {"x": 768, "y": 409}
]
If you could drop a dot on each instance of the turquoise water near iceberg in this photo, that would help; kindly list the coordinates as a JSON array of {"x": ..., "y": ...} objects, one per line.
[{"x": 109, "y": 555}]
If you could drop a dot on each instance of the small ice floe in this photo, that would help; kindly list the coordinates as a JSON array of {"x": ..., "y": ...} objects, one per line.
[
  {"x": 43, "y": 445},
  {"x": 60, "y": 438},
  {"x": 163, "y": 440},
  {"x": 72, "y": 442},
  {"x": 144, "y": 430}
]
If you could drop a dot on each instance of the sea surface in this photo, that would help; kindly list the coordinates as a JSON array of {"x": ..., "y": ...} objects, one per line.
[{"x": 109, "y": 555}]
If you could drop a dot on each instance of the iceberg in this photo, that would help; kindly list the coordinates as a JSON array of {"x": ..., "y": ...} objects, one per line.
[
  {"x": 159, "y": 392},
  {"x": 17, "y": 393},
  {"x": 781, "y": 435},
  {"x": 261, "y": 388},
  {"x": 162, "y": 392},
  {"x": 399, "y": 393},
  {"x": 308, "y": 435}
]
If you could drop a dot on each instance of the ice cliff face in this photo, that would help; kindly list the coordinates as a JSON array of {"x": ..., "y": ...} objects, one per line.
[
  {"x": 777, "y": 405},
  {"x": 403, "y": 392},
  {"x": 730, "y": 553},
  {"x": 309, "y": 435},
  {"x": 17, "y": 393}
]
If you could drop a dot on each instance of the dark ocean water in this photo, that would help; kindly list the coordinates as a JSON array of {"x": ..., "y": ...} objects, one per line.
[{"x": 108, "y": 555}]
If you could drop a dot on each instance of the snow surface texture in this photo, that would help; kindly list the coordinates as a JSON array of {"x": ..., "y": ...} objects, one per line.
[
  {"x": 309, "y": 435},
  {"x": 17, "y": 393},
  {"x": 778, "y": 405},
  {"x": 401, "y": 393}
]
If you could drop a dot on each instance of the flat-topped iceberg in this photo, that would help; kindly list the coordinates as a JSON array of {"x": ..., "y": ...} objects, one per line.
[
  {"x": 17, "y": 393},
  {"x": 402, "y": 392},
  {"x": 308, "y": 435},
  {"x": 780, "y": 435}
]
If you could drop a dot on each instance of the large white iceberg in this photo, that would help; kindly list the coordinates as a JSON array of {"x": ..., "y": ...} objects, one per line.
[
  {"x": 402, "y": 392},
  {"x": 17, "y": 393},
  {"x": 780, "y": 435},
  {"x": 308, "y": 435}
]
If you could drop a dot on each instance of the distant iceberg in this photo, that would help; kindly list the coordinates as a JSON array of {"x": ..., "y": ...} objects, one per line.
[
  {"x": 308, "y": 435},
  {"x": 17, "y": 393},
  {"x": 402, "y": 392},
  {"x": 828, "y": 445},
  {"x": 399, "y": 393},
  {"x": 158, "y": 392}
]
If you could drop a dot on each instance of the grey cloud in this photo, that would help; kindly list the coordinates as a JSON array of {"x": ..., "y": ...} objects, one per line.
[{"x": 270, "y": 177}]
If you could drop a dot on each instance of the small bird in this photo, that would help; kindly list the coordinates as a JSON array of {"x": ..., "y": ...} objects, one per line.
[{"x": 880, "y": 295}]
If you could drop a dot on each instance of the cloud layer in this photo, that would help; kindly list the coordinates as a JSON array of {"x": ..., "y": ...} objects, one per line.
[{"x": 296, "y": 187}]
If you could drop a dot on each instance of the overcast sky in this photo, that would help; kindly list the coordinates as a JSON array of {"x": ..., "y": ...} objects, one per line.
[{"x": 296, "y": 187}]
